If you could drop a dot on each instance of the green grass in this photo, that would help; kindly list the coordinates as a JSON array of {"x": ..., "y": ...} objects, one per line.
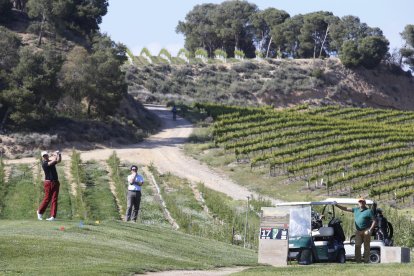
[
  {"x": 99, "y": 201},
  {"x": 150, "y": 209},
  {"x": 18, "y": 199},
  {"x": 109, "y": 248},
  {"x": 256, "y": 180},
  {"x": 351, "y": 269}
]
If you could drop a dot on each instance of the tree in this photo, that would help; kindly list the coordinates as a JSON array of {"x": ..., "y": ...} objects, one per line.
[
  {"x": 22, "y": 110},
  {"x": 37, "y": 71},
  {"x": 231, "y": 21},
  {"x": 47, "y": 13},
  {"x": 76, "y": 79},
  {"x": 199, "y": 30},
  {"x": 314, "y": 40},
  {"x": 373, "y": 50},
  {"x": 86, "y": 15},
  {"x": 107, "y": 78},
  {"x": 266, "y": 24},
  {"x": 5, "y": 8},
  {"x": 20, "y": 4},
  {"x": 407, "y": 52},
  {"x": 349, "y": 55},
  {"x": 287, "y": 36},
  {"x": 9, "y": 49}
]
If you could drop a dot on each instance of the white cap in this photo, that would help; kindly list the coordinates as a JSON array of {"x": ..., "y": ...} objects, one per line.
[{"x": 44, "y": 153}]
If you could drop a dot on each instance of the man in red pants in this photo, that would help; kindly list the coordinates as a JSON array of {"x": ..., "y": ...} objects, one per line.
[{"x": 51, "y": 185}]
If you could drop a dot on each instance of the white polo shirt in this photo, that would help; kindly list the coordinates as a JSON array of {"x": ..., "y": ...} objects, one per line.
[{"x": 133, "y": 183}]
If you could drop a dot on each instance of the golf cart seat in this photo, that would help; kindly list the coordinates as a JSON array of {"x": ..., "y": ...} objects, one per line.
[{"x": 323, "y": 232}]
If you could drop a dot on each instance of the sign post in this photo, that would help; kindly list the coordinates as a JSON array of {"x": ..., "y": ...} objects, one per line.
[{"x": 273, "y": 242}]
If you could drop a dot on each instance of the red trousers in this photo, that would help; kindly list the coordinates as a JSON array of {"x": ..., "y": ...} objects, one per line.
[{"x": 51, "y": 194}]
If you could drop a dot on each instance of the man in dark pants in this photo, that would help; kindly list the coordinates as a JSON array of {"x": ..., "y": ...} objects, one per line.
[
  {"x": 135, "y": 182},
  {"x": 51, "y": 185},
  {"x": 364, "y": 224}
]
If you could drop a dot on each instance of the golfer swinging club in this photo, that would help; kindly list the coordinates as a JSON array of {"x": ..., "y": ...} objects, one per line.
[{"x": 51, "y": 185}]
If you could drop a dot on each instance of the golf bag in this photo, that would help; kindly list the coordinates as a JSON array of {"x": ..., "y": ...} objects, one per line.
[{"x": 339, "y": 234}]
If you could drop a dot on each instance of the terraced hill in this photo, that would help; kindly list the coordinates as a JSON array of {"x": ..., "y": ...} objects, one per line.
[{"x": 324, "y": 150}]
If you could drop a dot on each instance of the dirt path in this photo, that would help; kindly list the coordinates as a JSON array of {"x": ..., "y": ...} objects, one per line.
[
  {"x": 217, "y": 272},
  {"x": 164, "y": 150}
]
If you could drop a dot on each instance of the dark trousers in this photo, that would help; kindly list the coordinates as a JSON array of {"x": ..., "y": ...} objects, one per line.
[
  {"x": 51, "y": 194},
  {"x": 133, "y": 202}
]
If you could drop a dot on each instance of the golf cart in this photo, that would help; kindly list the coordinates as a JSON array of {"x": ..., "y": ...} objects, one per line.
[
  {"x": 379, "y": 240},
  {"x": 310, "y": 240}
]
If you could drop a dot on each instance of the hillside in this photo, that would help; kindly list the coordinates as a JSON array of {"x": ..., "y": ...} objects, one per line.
[
  {"x": 279, "y": 83},
  {"x": 65, "y": 88},
  {"x": 323, "y": 151}
]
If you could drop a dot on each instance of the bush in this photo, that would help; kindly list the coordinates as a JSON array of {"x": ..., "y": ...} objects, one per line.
[{"x": 243, "y": 67}]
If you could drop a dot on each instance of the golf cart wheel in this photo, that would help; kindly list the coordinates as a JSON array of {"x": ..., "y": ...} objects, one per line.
[
  {"x": 306, "y": 257},
  {"x": 374, "y": 257},
  {"x": 341, "y": 257}
]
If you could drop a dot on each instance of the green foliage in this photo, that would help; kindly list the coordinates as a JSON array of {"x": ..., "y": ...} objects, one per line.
[
  {"x": 313, "y": 35},
  {"x": 219, "y": 26},
  {"x": 407, "y": 52},
  {"x": 145, "y": 52},
  {"x": 234, "y": 215},
  {"x": 9, "y": 49},
  {"x": 220, "y": 54},
  {"x": 183, "y": 52},
  {"x": 79, "y": 178},
  {"x": 165, "y": 53},
  {"x": 5, "y": 8},
  {"x": 80, "y": 16},
  {"x": 350, "y": 56},
  {"x": 373, "y": 50},
  {"x": 42, "y": 83},
  {"x": 272, "y": 32},
  {"x": 119, "y": 178},
  {"x": 370, "y": 51},
  {"x": 239, "y": 54},
  {"x": 201, "y": 52}
]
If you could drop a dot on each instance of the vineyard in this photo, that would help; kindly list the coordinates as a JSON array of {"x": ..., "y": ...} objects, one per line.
[{"x": 330, "y": 150}]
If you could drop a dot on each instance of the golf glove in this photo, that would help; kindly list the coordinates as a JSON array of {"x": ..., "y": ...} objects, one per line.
[{"x": 368, "y": 232}]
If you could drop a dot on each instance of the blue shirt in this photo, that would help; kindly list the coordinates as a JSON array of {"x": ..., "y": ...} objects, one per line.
[{"x": 133, "y": 184}]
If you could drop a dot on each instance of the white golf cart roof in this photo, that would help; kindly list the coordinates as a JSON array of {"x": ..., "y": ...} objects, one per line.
[
  {"x": 302, "y": 203},
  {"x": 349, "y": 201}
]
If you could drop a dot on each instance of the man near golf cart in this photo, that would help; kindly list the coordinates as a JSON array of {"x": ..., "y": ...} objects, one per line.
[{"x": 364, "y": 224}]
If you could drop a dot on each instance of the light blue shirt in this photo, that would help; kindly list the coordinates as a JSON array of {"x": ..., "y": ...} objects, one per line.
[{"x": 133, "y": 184}]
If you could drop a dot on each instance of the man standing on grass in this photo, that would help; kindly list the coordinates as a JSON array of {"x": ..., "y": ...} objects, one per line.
[
  {"x": 135, "y": 182},
  {"x": 51, "y": 185},
  {"x": 364, "y": 224}
]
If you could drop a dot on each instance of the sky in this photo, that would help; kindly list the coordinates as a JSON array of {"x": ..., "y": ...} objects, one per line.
[{"x": 152, "y": 23}]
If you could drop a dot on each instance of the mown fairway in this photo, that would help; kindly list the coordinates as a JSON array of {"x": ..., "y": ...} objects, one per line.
[
  {"x": 69, "y": 248},
  {"x": 349, "y": 269}
]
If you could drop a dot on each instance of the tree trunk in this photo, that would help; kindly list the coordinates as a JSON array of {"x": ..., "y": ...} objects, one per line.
[
  {"x": 39, "y": 42},
  {"x": 6, "y": 115},
  {"x": 89, "y": 108},
  {"x": 324, "y": 40},
  {"x": 268, "y": 47}
]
